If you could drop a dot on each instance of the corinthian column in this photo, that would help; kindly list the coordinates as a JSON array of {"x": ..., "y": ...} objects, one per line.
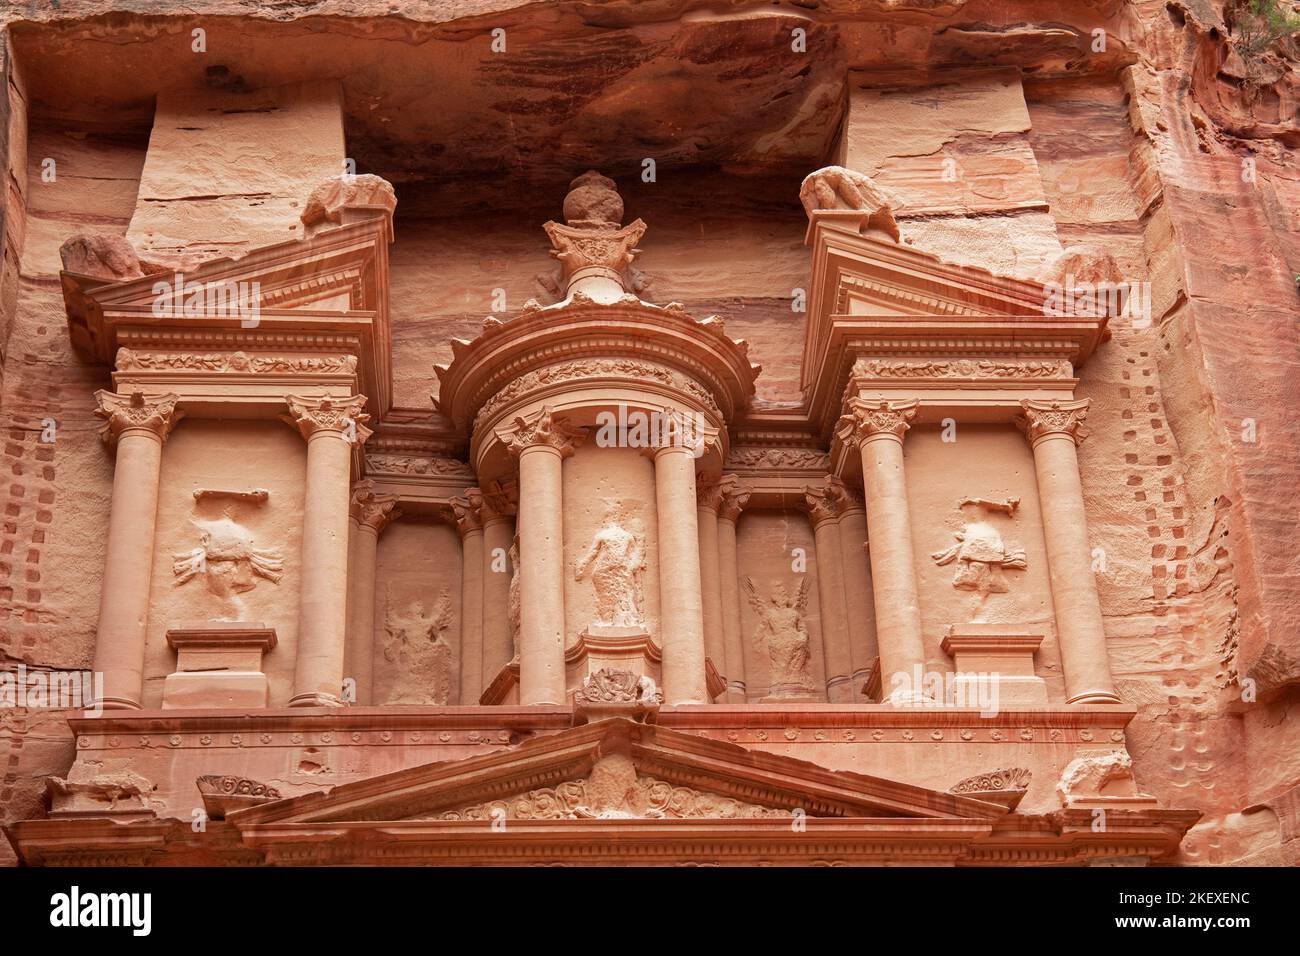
[
  {"x": 857, "y": 581},
  {"x": 498, "y": 534},
  {"x": 1054, "y": 431},
  {"x": 468, "y": 510},
  {"x": 709, "y": 499},
  {"x": 370, "y": 514},
  {"x": 137, "y": 426},
  {"x": 824, "y": 514},
  {"x": 331, "y": 427},
  {"x": 681, "y": 608},
  {"x": 733, "y": 500},
  {"x": 541, "y": 442},
  {"x": 877, "y": 430}
]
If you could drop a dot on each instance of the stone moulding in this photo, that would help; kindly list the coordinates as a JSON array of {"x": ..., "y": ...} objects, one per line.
[
  {"x": 224, "y": 793},
  {"x": 624, "y": 352}
]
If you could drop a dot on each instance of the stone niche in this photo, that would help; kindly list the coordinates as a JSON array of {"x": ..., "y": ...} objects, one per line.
[
  {"x": 608, "y": 491},
  {"x": 982, "y": 487},
  {"x": 780, "y": 597},
  {"x": 228, "y": 540},
  {"x": 417, "y": 614}
]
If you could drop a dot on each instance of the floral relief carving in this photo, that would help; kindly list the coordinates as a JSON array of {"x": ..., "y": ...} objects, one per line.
[
  {"x": 1014, "y": 778},
  {"x": 962, "y": 368},
  {"x": 580, "y": 369},
  {"x": 783, "y": 633},
  {"x": 775, "y": 458},
  {"x": 414, "y": 465},
  {"x": 614, "y": 790},
  {"x": 128, "y": 360},
  {"x": 414, "y": 642}
]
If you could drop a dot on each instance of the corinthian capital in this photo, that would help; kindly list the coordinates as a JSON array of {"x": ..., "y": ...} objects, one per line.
[
  {"x": 325, "y": 415},
  {"x": 542, "y": 428},
  {"x": 735, "y": 497},
  {"x": 846, "y": 499},
  {"x": 371, "y": 510},
  {"x": 467, "y": 510},
  {"x": 866, "y": 420},
  {"x": 1041, "y": 419},
  {"x": 121, "y": 413},
  {"x": 821, "y": 503}
]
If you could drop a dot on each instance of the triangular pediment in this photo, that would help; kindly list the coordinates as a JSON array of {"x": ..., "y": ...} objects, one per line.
[{"x": 616, "y": 769}]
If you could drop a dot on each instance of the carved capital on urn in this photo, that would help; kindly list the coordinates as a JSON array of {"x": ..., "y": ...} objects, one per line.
[
  {"x": 467, "y": 511},
  {"x": 155, "y": 414},
  {"x": 870, "y": 420},
  {"x": 372, "y": 511},
  {"x": 591, "y": 242},
  {"x": 341, "y": 417},
  {"x": 544, "y": 429},
  {"x": 735, "y": 497},
  {"x": 1048, "y": 419}
]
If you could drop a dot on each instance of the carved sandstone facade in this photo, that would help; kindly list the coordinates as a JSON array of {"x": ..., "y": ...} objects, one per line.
[{"x": 429, "y": 528}]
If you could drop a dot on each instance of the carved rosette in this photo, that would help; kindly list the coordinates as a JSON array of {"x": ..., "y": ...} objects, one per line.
[
  {"x": 735, "y": 497},
  {"x": 371, "y": 511},
  {"x": 1048, "y": 419},
  {"x": 134, "y": 412},
  {"x": 341, "y": 417},
  {"x": 868, "y": 421},
  {"x": 544, "y": 429},
  {"x": 467, "y": 511}
]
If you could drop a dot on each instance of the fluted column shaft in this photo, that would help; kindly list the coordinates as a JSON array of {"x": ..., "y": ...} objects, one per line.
[
  {"x": 138, "y": 427},
  {"x": 541, "y": 443},
  {"x": 878, "y": 429},
  {"x": 1054, "y": 430},
  {"x": 331, "y": 426},
  {"x": 733, "y": 501}
]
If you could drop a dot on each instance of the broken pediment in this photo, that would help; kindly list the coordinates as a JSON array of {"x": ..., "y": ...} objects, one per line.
[
  {"x": 616, "y": 769},
  {"x": 327, "y": 292}
]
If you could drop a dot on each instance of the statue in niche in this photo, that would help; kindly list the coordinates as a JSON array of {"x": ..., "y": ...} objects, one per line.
[
  {"x": 414, "y": 643},
  {"x": 781, "y": 629},
  {"x": 980, "y": 552},
  {"x": 230, "y": 563},
  {"x": 615, "y": 562},
  {"x": 512, "y": 601}
]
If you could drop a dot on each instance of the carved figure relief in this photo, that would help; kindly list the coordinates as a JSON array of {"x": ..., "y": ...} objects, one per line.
[
  {"x": 614, "y": 791},
  {"x": 980, "y": 552},
  {"x": 230, "y": 563},
  {"x": 615, "y": 562},
  {"x": 414, "y": 643},
  {"x": 784, "y": 634},
  {"x": 512, "y": 601}
]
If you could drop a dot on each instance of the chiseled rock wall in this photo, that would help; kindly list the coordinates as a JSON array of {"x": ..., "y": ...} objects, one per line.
[{"x": 1166, "y": 147}]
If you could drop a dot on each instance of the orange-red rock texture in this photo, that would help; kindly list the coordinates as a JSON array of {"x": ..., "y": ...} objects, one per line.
[{"x": 1140, "y": 127}]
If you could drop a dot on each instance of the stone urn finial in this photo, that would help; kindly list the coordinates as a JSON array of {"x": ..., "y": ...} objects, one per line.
[
  {"x": 594, "y": 250},
  {"x": 593, "y": 200}
]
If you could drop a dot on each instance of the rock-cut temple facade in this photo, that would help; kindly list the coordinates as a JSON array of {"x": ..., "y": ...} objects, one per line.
[{"x": 815, "y": 434}]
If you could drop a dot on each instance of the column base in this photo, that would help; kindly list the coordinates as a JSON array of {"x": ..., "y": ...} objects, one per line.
[
  {"x": 1094, "y": 697},
  {"x": 316, "y": 700}
]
